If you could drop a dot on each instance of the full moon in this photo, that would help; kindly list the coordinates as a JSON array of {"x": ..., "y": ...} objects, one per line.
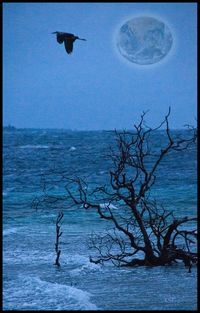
[{"x": 144, "y": 40}]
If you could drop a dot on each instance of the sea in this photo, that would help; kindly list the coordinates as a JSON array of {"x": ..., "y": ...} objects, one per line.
[{"x": 32, "y": 161}]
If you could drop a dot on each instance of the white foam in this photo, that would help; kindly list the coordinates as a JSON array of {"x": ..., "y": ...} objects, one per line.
[
  {"x": 72, "y": 148},
  {"x": 108, "y": 205},
  {"x": 102, "y": 172},
  {"x": 31, "y": 292},
  {"x": 84, "y": 269},
  {"x": 10, "y": 231},
  {"x": 76, "y": 259},
  {"x": 10, "y": 189},
  {"x": 34, "y": 147},
  {"x": 18, "y": 256},
  {"x": 7, "y": 191},
  {"x": 39, "y": 257}
]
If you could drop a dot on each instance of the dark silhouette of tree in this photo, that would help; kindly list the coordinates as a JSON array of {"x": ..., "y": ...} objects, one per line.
[
  {"x": 58, "y": 235},
  {"x": 143, "y": 232}
]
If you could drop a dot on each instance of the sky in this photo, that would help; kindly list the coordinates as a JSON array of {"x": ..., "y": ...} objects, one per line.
[{"x": 95, "y": 88}]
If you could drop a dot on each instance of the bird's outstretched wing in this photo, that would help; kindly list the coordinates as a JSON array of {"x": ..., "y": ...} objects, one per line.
[
  {"x": 68, "y": 45},
  {"x": 60, "y": 38}
]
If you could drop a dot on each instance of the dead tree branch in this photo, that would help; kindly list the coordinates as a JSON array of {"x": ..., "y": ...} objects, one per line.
[{"x": 58, "y": 235}]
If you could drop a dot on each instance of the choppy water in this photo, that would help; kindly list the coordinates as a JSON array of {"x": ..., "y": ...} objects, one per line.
[{"x": 30, "y": 280}]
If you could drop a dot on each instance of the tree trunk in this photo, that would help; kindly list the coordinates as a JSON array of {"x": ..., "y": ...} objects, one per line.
[{"x": 149, "y": 255}]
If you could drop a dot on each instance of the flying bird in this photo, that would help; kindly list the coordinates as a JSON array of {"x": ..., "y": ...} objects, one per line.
[{"x": 68, "y": 40}]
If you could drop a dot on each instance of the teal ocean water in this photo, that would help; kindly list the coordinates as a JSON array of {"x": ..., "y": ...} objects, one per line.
[{"x": 31, "y": 281}]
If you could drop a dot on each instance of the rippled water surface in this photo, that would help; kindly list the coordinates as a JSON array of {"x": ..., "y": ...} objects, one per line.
[{"x": 30, "y": 279}]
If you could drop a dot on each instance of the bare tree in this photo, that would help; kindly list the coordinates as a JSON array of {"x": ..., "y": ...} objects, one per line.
[
  {"x": 141, "y": 226},
  {"x": 143, "y": 231},
  {"x": 58, "y": 235}
]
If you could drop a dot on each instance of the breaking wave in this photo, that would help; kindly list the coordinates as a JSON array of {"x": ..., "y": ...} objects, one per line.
[{"x": 33, "y": 293}]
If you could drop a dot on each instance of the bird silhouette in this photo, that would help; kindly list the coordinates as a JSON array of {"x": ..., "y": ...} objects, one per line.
[{"x": 68, "y": 40}]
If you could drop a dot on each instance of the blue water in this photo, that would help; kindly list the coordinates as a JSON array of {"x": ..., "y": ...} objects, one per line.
[{"x": 30, "y": 279}]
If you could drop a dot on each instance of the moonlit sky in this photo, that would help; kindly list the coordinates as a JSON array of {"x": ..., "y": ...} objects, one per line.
[{"x": 94, "y": 87}]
